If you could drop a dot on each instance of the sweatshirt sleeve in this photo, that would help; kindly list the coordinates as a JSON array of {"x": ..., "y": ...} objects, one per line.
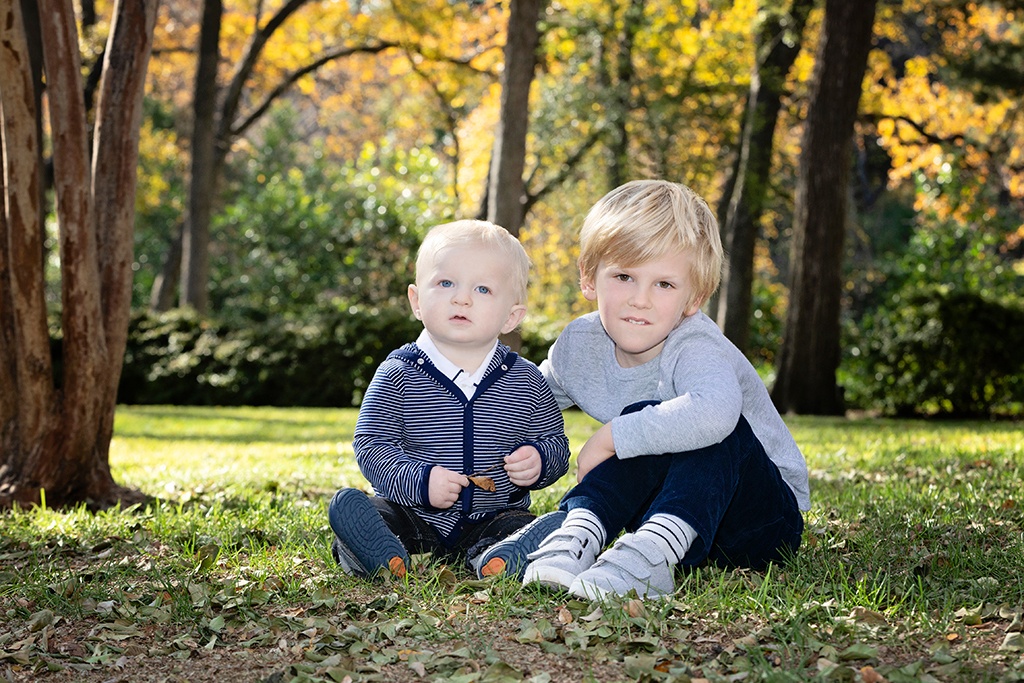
[
  {"x": 378, "y": 442},
  {"x": 707, "y": 404}
]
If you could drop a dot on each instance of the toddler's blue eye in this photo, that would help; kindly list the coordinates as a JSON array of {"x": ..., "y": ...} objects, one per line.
[
  {"x": 446, "y": 283},
  {"x": 483, "y": 289}
]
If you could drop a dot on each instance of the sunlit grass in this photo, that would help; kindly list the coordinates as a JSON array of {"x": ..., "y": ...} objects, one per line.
[{"x": 915, "y": 540}]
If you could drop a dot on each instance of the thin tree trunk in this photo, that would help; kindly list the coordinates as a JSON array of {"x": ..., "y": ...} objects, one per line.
[
  {"x": 622, "y": 88},
  {"x": 748, "y": 187},
  {"x": 506, "y": 191},
  {"x": 26, "y": 340},
  {"x": 165, "y": 285},
  {"x": 195, "y": 244},
  {"x": 809, "y": 357}
]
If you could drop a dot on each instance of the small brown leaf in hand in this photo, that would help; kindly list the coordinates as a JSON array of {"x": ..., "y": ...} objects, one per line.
[{"x": 486, "y": 483}]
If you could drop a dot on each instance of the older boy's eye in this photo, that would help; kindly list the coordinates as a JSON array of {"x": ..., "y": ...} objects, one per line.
[
  {"x": 665, "y": 285},
  {"x": 622, "y": 277}
]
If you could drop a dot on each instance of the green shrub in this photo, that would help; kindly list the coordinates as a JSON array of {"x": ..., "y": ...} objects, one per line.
[
  {"x": 939, "y": 352},
  {"x": 327, "y": 360}
]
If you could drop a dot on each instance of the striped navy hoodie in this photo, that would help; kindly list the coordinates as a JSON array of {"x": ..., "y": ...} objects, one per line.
[{"x": 413, "y": 417}]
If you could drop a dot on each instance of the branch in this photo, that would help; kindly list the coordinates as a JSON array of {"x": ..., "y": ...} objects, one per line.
[
  {"x": 248, "y": 63},
  {"x": 293, "y": 77},
  {"x": 931, "y": 137},
  {"x": 565, "y": 171}
]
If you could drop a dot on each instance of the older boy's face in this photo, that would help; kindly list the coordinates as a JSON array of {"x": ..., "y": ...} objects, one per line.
[
  {"x": 640, "y": 305},
  {"x": 465, "y": 299}
]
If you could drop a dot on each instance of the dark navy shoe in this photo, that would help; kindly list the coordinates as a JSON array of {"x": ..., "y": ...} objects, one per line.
[
  {"x": 508, "y": 556},
  {"x": 363, "y": 543}
]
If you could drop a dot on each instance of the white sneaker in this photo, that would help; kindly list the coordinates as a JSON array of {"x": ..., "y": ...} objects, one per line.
[
  {"x": 559, "y": 559},
  {"x": 633, "y": 563}
]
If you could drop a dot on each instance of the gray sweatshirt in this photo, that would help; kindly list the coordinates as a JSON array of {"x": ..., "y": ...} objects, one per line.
[{"x": 704, "y": 384}]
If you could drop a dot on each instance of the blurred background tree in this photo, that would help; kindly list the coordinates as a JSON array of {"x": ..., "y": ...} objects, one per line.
[{"x": 359, "y": 125}]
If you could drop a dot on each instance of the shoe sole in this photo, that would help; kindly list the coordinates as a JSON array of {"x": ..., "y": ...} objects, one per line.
[
  {"x": 588, "y": 590},
  {"x": 365, "y": 535},
  {"x": 512, "y": 551},
  {"x": 549, "y": 577}
]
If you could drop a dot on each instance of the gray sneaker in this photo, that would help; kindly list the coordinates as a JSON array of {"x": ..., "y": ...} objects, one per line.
[
  {"x": 559, "y": 559},
  {"x": 508, "y": 556},
  {"x": 633, "y": 563}
]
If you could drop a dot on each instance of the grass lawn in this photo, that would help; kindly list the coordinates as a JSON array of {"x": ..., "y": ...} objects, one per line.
[{"x": 911, "y": 570}]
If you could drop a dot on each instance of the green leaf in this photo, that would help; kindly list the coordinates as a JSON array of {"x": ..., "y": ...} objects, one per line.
[{"x": 858, "y": 651}]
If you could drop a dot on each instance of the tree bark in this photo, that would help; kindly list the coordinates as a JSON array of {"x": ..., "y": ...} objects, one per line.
[
  {"x": 622, "y": 89},
  {"x": 809, "y": 357},
  {"x": 195, "y": 239},
  {"x": 748, "y": 187},
  {"x": 506, "y": 191},
  {"x": 56, "y": 431}
]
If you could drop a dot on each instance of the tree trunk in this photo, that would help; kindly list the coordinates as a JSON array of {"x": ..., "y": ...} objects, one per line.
[
  {"x": 506, "y": 190},
  {"x": 622, "y": 89},
  {"x": 195, "y": 243},
  {"x": 809, "y": 357},
  {"x": 748, "y": 187},
  {"x": 163, "y": 295},
  {"x": 56, "y": 431}
]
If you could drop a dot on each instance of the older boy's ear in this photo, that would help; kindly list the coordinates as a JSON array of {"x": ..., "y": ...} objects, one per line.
[
  {"x": 587, "y": 287},
  {"x": 515, "y": 316},
  {"x": 414, "y": 301},
  {"x": 694, "y": 306}
]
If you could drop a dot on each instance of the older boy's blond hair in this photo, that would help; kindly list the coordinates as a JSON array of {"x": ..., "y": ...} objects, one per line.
[
  {"x": 647, "y": 219},
  {"x": 480, "y": 234}
]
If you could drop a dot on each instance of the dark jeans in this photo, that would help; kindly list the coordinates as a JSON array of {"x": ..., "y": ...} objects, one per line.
[
  {"x": 731, "y": 493},
  {"x": 419, "y": 537}
]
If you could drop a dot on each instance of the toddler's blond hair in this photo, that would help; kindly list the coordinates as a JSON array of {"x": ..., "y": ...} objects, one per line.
[{"x": 480, "y": 234}]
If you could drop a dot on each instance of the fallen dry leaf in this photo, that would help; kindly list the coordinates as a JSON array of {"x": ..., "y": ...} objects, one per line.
[
  {"x": 486, "y": 483},
  {"x": 869, "y": 675}
]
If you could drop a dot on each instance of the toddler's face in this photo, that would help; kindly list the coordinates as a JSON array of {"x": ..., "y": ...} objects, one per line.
[
  {"x": 465, "y": 299},
  {"x": 640, "y": 305}
]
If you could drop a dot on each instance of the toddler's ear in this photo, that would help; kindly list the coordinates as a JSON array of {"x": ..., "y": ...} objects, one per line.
[
  {"x": 515, "y": 316},
  {"x": 414, "y": 301}
]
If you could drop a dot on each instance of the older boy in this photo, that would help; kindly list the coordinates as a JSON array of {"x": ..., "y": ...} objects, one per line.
[
  {"x": 692, "y": 458},
  {"x": 455, "y": 403}
]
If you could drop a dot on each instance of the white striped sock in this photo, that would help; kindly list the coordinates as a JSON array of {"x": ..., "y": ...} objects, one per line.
[
  {"x": 583, "y": 522},
  {"x": 671, "y": 534}
]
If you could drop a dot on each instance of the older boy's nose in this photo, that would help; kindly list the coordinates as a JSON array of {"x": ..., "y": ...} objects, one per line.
[{"x": 640, "y": 299}]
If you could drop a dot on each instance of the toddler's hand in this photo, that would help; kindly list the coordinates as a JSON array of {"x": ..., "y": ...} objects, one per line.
[
  {"x": 523, "y": 466},
  {"x": 445, "y": 486}
]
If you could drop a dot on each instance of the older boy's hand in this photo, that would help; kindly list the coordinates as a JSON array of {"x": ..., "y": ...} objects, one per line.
[
  {"x": 596, "y": 450},
  {"x": 523, "y": 466},
  {"x": 445, "y": 486}
]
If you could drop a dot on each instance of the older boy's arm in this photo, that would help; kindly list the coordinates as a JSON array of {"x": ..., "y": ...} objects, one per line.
[
  {"x": 562, "y": 399},
  {"x": 704, "y": 413},
  {"x": 598, "y": 448}
]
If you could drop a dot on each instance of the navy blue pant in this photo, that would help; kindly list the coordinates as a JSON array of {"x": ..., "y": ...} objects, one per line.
[
  {"x": 731, "y": 493},
  {"x": 419, "y": 537}
]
